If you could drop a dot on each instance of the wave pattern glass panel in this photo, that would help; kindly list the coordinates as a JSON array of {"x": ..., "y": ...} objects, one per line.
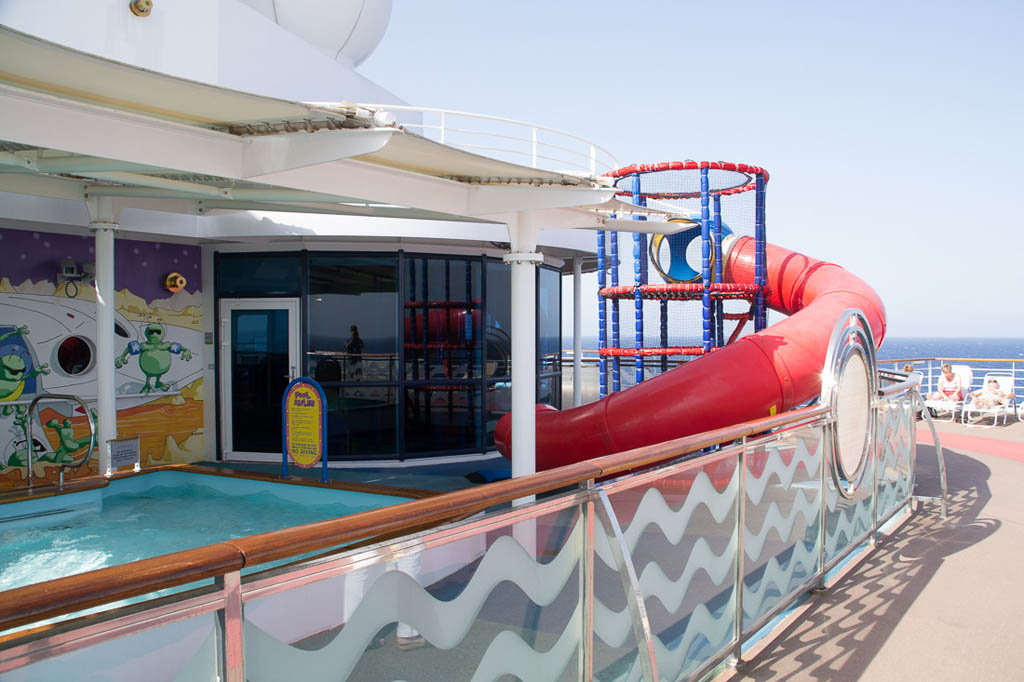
[
  {"x": 895, "y": 454},
  {"x": 499, "y": 603},
  {"x": 782, "y": 520},
  {"x": 679, "y": 528},
  {"x": 183, "y": 651},
  {"x": 848, "y": 519}
]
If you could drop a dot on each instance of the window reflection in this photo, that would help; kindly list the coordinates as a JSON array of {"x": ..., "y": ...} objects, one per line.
[
  {"x": 442, "y": 318},
  {"x": 352, "y": 328},
  {"x": 361, "y": 421},
  {"x": 442, "y": 418},
  {"x": 499, "y": 320}
]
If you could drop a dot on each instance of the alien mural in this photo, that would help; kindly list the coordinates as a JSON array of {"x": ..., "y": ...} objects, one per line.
[
  {"x": 154, "y": 356},
  {"x": 15, "y": 364}
]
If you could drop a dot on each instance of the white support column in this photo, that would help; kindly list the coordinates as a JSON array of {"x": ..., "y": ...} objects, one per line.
[
  {"x": 103, "y": 225},
  {"x": 577, "y": 331},
  {"x": 524, "y": 260}
]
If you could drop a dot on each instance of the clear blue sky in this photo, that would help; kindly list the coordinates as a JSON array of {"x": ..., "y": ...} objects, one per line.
[{"x": 892, "y": 130}]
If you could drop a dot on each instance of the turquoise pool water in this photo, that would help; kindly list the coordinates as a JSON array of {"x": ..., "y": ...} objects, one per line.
[{"x": 154, "y": 514}]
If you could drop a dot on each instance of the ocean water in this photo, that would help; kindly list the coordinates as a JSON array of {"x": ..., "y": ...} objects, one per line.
[{"x": 909, "y": 347}]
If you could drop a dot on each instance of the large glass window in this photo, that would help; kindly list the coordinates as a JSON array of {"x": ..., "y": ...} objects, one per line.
[
  {"x": 549, "y": 336},
  {"x": 499, "y": 320},
  {"x": 353, "y": 334},
  {"x": 414, "y": 352},
  {"x": 442, "y": 318},
  {"x": 442, "y": 418}
]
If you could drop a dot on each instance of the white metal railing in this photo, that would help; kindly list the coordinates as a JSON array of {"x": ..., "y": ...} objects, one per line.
[
  {"x": 931, "y": 369},
  {"x": 506, "y": 139}
]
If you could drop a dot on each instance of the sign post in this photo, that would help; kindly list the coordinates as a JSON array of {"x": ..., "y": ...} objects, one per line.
[{"x": 304, "y": 426}]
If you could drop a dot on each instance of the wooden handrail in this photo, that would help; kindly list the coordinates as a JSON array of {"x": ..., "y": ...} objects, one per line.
[{"x": 23, "y": 605}]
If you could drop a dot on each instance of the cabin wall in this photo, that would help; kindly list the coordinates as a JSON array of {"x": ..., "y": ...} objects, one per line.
[{"x": 48, "y": 345}]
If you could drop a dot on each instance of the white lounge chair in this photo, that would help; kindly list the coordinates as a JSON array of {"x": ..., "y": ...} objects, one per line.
[
  {"x": 937, "y": 407},
  {"x": 970, "y": 409}
]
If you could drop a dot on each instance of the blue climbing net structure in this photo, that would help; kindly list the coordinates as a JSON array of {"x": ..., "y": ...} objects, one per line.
[{"x": 716, "y": 201}]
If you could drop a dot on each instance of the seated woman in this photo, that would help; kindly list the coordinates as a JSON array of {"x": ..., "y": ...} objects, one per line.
[
  {"x": 950, "y": 387},
  {"x": 990, "y": 396}
]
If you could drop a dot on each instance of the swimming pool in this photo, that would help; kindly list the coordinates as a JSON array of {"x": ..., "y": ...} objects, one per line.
[{"x": 152, "y": 514}]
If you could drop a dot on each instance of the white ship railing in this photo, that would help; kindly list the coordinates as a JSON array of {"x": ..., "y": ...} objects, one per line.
[
  {"x": 664, "y": 574},
  {"x": 506, "y": 139},
  {"x": 931, "y": 369}
]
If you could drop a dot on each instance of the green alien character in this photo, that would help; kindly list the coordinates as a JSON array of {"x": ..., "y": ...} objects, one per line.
[
  {"x": 14, "y": 364},
  {"x": 154, "y": 356},
  {"x": 19, "y": 457},
  {"x": 68, "y": 443}
]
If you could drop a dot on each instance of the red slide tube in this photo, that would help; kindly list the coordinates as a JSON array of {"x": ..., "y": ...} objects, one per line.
[{"x": 757, "y": 376}]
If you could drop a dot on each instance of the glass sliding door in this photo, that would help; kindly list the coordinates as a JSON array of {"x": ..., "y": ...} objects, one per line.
[{"x": 259, "y": 355}]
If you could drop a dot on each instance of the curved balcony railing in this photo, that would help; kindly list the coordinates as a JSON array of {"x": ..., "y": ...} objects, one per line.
[
  {"x": 506, "y": 139},
  {"x": 662, "y": 573}
]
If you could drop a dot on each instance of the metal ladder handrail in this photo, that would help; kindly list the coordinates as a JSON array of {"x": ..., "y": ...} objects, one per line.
[
  {"x": 940, "y": 456},
  {"x": 31, "y": 442}
]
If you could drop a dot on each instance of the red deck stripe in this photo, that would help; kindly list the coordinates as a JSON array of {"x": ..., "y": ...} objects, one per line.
[{"x": 985, "y": 446}]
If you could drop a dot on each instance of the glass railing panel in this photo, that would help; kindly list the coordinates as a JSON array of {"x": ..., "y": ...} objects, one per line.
[
  {"x": 894, "y": 445},
  {"x": 848, "y": 520},
  {"x": 488, "y": 599},
  {"x": 782, "y": 519},
  {"x": 187, "y": 650},
  {"x": 679, "y": 528}
]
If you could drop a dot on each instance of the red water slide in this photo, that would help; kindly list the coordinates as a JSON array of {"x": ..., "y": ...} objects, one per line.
[{"x": 759, "y": 375}]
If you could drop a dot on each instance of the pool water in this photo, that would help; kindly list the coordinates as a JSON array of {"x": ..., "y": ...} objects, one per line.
[{"x": 153, "y": 514}]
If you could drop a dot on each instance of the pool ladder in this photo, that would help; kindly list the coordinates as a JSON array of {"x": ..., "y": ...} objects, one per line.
[{"x": 30, "y": 445}]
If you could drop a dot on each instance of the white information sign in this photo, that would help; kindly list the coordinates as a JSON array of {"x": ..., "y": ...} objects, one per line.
[{"x": 124, "y": 452}]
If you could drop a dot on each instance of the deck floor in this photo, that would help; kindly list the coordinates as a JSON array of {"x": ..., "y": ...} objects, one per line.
[{"x": 939, "y": 599}]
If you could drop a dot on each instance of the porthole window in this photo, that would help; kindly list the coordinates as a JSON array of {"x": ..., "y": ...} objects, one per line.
[{"x": 74, "y": 355}]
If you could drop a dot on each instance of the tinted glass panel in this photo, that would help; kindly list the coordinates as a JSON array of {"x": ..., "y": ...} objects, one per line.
[
  {"x": 549, "y": 319},
  {"x": 259, "y": 375},
  {"x": 499, "y": 403},
  {"x": 361, "y": 421},
  {"x": 352, "y": 328},
  {"x": 549, "y": 390},
  {"x": 255, "y": 275},
  {"x": 442, "y": 318},
  {"x": 499, "y": 320},
  {"x": 442, "y": 418}
]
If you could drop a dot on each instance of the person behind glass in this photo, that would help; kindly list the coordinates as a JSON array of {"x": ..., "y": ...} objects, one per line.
[
  {"x": 990, "y": 395},
  {"x": 354, "y": 353},
  {"x": 950, "y": 386}
]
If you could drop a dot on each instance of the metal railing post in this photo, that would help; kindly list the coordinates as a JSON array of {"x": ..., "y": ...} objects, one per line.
[
  {"x": 231, "y": 627},
  {"x": 741, "y": 504},
  {"x": 631, "y": 586},
  {"x": 586, "y": 649},
  {"x": 826, "y": 445},
  {"x": 593, "y": 160},
  {"x": 533, "y": 147}
]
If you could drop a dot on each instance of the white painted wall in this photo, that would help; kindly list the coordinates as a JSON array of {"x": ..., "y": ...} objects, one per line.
[{"x": 223, "y": 42}]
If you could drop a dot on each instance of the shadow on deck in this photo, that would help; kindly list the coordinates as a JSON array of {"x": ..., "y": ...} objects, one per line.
[{"x": 939, "y": 599}]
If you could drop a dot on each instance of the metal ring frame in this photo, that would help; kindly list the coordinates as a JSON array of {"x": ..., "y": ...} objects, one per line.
[
  {"x": 92, "y": 433},
  {"x": 851, "y": 337}
]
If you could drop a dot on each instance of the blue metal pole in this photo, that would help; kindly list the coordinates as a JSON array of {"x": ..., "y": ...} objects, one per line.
[
  {"x": 602, "y": 312},
  {"x": 638, "y": 279},
  {"x": 719, "y": 267},
  {"x": 705, "y": 256},
  {"x": 760, "y": 269},
  {"x": 614, "y": 239}
]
